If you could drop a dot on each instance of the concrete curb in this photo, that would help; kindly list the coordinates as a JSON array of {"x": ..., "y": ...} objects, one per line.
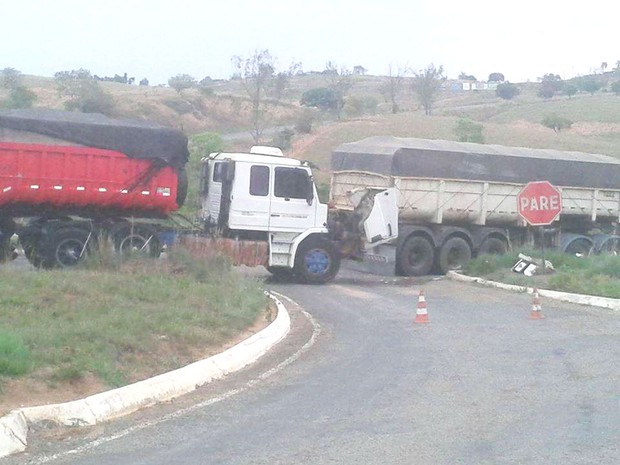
[
  {"x": 594, "y": 301},
  {"x": 122, "y": 401}
]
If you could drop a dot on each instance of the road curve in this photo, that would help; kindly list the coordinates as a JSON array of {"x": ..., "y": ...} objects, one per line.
[{"x": 480, "y": 384}]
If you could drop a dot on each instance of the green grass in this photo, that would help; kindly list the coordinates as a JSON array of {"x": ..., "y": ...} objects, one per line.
[
  {"x": 117, "y": 324},
  {"x": 594, "y": 275},
  {"x": 14, "y": 356}
]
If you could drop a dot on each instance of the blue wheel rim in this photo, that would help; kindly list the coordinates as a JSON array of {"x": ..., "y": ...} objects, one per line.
[{"x": 317, "y": 261}]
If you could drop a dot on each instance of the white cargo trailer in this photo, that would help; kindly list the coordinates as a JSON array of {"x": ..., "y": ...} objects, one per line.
[{"x": 456, "y": 199}]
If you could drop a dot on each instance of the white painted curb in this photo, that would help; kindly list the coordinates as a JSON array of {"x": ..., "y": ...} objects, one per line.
[
  {"x": 594, "y": 301},
  {"x": 122, "y": 401}
]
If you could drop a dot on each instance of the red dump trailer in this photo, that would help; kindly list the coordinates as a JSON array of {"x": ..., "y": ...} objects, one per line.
[{"x": 67, "y": 178}]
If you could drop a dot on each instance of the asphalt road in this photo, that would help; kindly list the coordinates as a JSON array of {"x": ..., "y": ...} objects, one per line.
[{"x": 481, "y": 384}]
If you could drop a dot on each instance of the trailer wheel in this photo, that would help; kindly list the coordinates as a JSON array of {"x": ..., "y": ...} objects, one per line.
[
  {"x": 67, "y": 247},
  {"x": 580, "y": 247},
  {"x": 137, "y": 240},
  {"x": 317, "y": 261},
  {"x": 416, "y": 257},
  {"x": 493, "y": 246},
  {"x": 454, "y": 254}
]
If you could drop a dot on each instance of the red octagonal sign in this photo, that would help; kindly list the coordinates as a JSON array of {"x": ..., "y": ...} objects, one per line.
[{"x": 539, "y": 203}]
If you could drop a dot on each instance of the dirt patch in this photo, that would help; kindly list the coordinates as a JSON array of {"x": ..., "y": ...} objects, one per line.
[{"x": 591, "y": 128}]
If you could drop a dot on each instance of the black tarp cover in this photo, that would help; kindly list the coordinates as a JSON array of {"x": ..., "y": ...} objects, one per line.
[
  {"x": 425, "y": 158},
  {"x": 134, "y": 138}
]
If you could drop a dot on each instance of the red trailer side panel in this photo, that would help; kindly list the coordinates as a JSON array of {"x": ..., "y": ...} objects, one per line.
[{"x": 69, "y": 176}]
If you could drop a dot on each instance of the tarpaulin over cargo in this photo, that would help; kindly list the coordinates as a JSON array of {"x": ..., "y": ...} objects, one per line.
[
  {"x": 424, "y": 158},
  {"x": 136, "y": 139}
]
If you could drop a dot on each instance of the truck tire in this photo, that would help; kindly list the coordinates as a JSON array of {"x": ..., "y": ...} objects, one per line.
[
  {"x": 416, "y": 257},
  {"x": 137, "y": 240},
  {"x": 493, "y": 246},
  {"x": 317, "y": 261},
  {"x": 454, "y": 254},
  {"x": 66, "y": 248},
  {"x": 580, "y": 247}
]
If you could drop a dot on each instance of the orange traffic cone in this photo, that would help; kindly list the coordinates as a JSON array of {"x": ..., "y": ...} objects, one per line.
[
  {"x": 421, "y": 315},
  {"x": 536, "y": 313}
]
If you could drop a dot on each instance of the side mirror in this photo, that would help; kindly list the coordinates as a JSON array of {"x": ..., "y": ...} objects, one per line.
[
  {"x": 309, "y": 190},
  {"x": 204, "y": 178}
]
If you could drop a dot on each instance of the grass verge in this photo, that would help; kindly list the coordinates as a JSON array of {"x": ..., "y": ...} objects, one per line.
[
  {"x": 595, "y": 275},
  {"x": 120, "y": 323}
]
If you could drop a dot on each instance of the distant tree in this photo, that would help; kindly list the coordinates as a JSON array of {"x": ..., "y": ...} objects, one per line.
[
  {"x": 20, "y": 97},
  {"x": 304, "y": 123},
  {"x": 283, "y": 139},
  {"x": 615, "y": 87},
  {"x": 392, "y": 88},
  {"x": 426, "y": 84},
  {"x": 340, "y": 82},
  {"x": 144, "y": 82},
  {"x": 256, "y": 73},
  {"x": 467, "y": 77},
  {"x": 590, "y": 85},
  {"x": 181, "y": 82},
  {"x": 603, "y": 66},
  {"x": 321, "y": 97},
  {"x": 550, "y": 84},
  {"x": 83, "y": 92},
  {"x": 556, "y": 122},
  {"x": 507, "y": 91},
  {"x": 10, "y": 78},
  {"x": 359, "y": 70},
  {"x": 496, "y": 77},
  {"x": 467, "y": 130},
  {"x": 570, "y": 90}
]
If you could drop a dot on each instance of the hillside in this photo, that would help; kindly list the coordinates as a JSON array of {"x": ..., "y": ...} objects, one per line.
[{"x": 223, "y": 107}]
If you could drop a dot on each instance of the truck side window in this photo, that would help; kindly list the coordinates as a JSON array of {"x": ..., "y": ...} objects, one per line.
[
  {"x": 259, "y": 180},
  {"x": 291, "y": 183},
  {"x": 218, "y": 172}
]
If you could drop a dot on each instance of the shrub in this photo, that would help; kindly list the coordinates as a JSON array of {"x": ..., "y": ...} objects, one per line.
[
  {"x": 20, "y": 97},
  {"x": 322, "y": 98},
  {"x": 556, "y": 122},
  {"x": 507, "y": 91},
  {"x": 303, "y": 125},
  {"x": 468, "y": 131}
]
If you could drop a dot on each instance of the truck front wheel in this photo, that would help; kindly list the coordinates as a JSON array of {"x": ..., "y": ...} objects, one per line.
[
  {"x": 416, "y": 257},
  {"x": 317, "y": 261}
]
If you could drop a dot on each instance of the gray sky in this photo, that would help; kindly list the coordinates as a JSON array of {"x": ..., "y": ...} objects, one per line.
[{"x": 157, "y": 39}]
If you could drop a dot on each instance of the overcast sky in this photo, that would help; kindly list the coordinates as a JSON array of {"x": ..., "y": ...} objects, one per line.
[{"x": 157, "y": 39}]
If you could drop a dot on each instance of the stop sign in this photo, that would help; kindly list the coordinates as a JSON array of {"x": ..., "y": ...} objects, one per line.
[{"x": 539, "y": 203}]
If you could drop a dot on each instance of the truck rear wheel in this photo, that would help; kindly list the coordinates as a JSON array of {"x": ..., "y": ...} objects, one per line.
[
  {"x": 416, "y": 257},
  {"x": 493, "y": 246},
  {"x": 454, "y": 254},
  {"x": 317, "y": 260},
  {"x": 67, "y": 247}
]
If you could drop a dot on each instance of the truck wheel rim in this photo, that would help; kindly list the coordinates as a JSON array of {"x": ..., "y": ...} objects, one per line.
[
  {"x": 69, "y": 252},
  {"x": 317, "y": 261}
]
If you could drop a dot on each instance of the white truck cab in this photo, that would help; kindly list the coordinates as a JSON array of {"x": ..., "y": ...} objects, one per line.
[{"x": 263, "y": 195}]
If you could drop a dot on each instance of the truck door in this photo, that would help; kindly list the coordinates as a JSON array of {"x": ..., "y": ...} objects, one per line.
[
  {"x": 250, "y": 198},
  {"x": 293, "y": 208}
]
